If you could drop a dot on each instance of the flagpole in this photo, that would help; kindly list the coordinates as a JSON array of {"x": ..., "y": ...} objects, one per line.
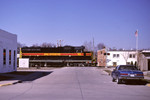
[
  {"x": 137, "y": 45},
  {"x": 137, "y": 41}
]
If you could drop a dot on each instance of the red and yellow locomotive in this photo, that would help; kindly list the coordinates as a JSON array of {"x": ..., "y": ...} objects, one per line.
[{"x": 57, "y": 56}]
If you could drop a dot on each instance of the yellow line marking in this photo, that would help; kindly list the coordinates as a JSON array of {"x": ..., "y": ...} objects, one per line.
[
  {"x": 148, "y": 85},
  {"x": 5, "y": 84}
]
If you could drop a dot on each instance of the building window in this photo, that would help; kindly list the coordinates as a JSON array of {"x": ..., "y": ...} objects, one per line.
[
  {"x": 128, "y": 63},
  {"x": 14, "y": 58},
  {"x": 114, "y": 63},
  {"x": 117, "y": 55},
  {"x": 133, "y": 55},
  {"x": 9, "y": 57},
  {"x": 131, "y": 63},
  {"x": 130, "y": 56},
  {"x": 4, "y": 56},
  {"x": 114, "y": 55}
]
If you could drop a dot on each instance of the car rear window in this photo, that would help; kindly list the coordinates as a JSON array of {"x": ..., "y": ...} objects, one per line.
[{"x": 128, "y": 68}]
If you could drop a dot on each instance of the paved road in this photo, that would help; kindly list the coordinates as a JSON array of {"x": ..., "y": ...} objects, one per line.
[{"x": 70, "y": 83}]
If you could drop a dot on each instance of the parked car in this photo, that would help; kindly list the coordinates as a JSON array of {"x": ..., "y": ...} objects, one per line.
[{"x": 126, "y": 72}]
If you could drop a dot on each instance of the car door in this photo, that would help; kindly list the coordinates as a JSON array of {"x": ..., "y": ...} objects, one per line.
[{"x": 114, "y": 74}]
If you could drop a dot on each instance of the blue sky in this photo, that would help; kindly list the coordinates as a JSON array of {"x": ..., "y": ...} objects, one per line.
[{"x": 112, "y": 22}]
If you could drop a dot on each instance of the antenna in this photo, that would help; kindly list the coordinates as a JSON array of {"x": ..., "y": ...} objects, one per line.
[{"x": 59, "y": 43}]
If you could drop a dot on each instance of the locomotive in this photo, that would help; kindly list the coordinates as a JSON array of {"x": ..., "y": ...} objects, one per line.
[{"x": 57, "y": 56}]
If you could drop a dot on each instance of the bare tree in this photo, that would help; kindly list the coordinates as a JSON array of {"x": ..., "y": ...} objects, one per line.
[
  {"x": 125, "y": 56},
  {"x": 88, "y": 46},
  {"x": 121, "y": 49},
  {"x": 48, "y": 45},
  {"x": 100, "y": 46},
  {"x": 45, "y": 45},
  {"x": 114, "y": 49},
  {"x": 35, "y": 45},
  {"x": 20, "y": 45}
]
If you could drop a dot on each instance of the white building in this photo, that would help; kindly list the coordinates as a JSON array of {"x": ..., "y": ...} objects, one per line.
[
  {"x": 8, "y": 52},
  {"x": 115, "y": 58},
  {"x": 121, "y": 58},
  {"x": 144, "y": 60}
]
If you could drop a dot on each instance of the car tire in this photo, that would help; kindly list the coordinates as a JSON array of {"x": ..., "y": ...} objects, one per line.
[
  {"x": 119, "y": 81},
  {"x": 113, "y": 80}
]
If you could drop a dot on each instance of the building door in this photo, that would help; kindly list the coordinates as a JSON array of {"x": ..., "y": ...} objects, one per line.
[
  {"x": 148, "y": 64},
  {"x": 114, "y": 63}
]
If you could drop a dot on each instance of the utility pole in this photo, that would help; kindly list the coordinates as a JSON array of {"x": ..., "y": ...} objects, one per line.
[
  {"x": 136, "y": 35},
  {"x": 93, "y": 50}
]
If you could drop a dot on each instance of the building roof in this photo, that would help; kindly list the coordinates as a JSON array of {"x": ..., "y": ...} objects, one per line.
[
  {"x": 6, "y": 34},
  {"x": 118, "y": 50},
  {"x": 146, "y": 51}
]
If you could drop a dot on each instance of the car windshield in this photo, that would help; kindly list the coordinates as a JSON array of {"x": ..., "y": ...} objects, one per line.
[{"x": 128, "y": 68}]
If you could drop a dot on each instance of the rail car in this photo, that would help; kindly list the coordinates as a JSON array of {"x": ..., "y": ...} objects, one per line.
[{"x": 57, "y": 56}]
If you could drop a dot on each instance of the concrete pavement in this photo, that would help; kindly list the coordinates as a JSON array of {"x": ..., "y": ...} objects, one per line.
[
  {"x": 20, "y": 78},
  {"x": 74, "y": 83},
  {"x": 29, "y": 75}
]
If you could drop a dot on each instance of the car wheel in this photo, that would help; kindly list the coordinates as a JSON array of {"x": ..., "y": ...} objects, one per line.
[
  {"x": 113, "y": 80},
  {"x": 119, "y": 81}
]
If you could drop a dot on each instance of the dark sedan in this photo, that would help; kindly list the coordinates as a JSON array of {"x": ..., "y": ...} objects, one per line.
[{"x": 126, "y": 72}]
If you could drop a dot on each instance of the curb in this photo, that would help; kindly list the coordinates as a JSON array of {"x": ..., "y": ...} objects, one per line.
[
  {"x": 11, "y": 83},
  {"x": 28, "y": 77},
  {"x": 148, "y": 84},
  {"x": 105, "y": 72}
]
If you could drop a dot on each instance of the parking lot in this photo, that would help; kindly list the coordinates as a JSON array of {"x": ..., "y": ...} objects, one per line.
[{"x": 74, "y": 83}]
